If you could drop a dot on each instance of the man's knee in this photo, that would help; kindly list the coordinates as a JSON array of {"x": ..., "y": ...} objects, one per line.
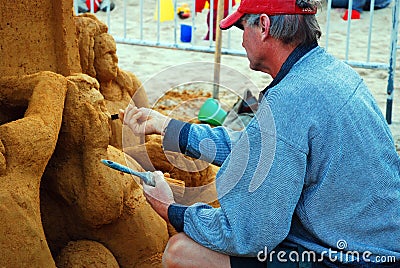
[
  {"x": 175, "y": 250},
  {"x": 182, "y": 251}
]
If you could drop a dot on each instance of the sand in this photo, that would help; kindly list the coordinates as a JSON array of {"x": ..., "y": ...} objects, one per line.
[
  {"x": 147, "y": 62},
  {"x": 54, "y": 130}
]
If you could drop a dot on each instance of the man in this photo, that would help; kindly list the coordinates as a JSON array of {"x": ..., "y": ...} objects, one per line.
[{"x": 315, "y": 175}]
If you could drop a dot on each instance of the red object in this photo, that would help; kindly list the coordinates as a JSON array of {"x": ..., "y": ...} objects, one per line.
[
  {"x": 355, "y": 15},
  {"x": 200, "y": 5},
  {"x": 96, "y": 4},
  {"x": 269, "y": 7},
  {"x": 182, "y": 15}
]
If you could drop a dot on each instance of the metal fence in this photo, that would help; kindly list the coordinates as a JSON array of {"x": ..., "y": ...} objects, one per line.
[{"x": 166, "y": 33}]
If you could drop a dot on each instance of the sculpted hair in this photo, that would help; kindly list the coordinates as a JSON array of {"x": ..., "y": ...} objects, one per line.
[{"x": 292, "y": 29}]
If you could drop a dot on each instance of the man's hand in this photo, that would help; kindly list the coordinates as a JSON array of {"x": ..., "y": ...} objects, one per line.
[
  {"x": 160, "y": 196},
  {"x": 143, "y": 120}
]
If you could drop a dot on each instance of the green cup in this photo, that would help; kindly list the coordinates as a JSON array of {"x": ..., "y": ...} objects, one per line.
[{"x": 212, "y": 113}]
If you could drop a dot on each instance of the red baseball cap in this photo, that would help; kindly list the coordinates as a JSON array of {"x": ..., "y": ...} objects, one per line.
[{"x": 269, "y": 7}]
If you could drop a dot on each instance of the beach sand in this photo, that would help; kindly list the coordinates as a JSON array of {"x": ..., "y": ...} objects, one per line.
[{"x": 160, "y": 69}]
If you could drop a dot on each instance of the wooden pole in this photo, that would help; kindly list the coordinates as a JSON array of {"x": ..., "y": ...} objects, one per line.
[{"x": 218, "y": 45}]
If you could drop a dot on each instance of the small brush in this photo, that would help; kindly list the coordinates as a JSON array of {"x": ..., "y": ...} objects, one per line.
[{"x": 146, "y": 176}]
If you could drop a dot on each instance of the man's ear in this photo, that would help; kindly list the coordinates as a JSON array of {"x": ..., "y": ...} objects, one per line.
[{"x": 264, "y": 24}]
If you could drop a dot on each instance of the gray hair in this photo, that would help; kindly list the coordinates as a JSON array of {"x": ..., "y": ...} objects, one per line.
[{"x": 292, "y": 29}]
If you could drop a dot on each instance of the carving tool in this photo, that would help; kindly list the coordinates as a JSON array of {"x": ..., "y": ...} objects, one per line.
[
  {"x": 146, "y": 176},
  {"x": 114, "y": 116}
]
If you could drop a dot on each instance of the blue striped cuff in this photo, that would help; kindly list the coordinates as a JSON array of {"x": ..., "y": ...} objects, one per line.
[
  {"x": 176, "y": 216},
  {"x": 176, "y": 136}
]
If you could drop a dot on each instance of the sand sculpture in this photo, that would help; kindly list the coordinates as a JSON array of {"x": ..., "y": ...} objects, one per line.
[
  {"x": 98, "y": 59},
  {"x": 59, "y": 84},
  {"x": 83, "y": 199},
  {"x": 86, "y": 253},
  {"x": 30, "y": 118},
  {"x": 54, "y": 129}
]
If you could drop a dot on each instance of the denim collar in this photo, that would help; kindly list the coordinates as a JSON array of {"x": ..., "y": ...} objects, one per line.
[{"x": 297, "y": 54}]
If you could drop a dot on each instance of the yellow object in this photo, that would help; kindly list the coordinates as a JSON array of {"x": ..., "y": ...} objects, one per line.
[
  {"x": 183, "y": 11},
  {"x": 166, "y": 10}
]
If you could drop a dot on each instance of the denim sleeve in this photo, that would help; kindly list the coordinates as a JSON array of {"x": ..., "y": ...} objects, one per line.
[{"x": 200, "y": 141}]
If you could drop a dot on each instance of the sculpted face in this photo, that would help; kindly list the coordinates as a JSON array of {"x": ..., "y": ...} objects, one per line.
[{"x": 105, "y": 57}]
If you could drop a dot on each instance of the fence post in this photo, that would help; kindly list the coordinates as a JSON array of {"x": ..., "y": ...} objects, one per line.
[{"x": 392, "y": 62}]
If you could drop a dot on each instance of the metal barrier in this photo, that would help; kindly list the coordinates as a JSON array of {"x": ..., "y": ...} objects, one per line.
[
  {"x": 392, "y": 61},
  {"x": 390, "y": 66},
  {"x": 132, "y": 20}
]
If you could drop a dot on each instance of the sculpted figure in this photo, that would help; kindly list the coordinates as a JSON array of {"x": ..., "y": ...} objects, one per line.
[
  {"x": 85, "y": 253},
  {"x": 85, "y": 200},
  {"x": 99, "y": 59},
  {"x": 31, "y": 110},
  {"x": 59, "y": 205}
]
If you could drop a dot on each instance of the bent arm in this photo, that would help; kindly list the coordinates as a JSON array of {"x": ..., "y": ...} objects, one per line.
[
  {"x": 249, "y": 219},
  {"x": 200, "y": 141},
  {"x": 38, "y": 130}
]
